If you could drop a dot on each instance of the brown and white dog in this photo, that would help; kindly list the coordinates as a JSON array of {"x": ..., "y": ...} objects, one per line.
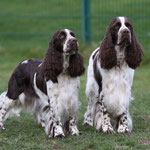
[
  {"x": 110, "y": 76},
  {"x": 48, "y": 88}
]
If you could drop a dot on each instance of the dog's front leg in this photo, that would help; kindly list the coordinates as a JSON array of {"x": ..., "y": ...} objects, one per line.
[
  {"x": 102, "y": 119},
  {"x": 53, "y": 125},
  {"x": 73, "y": 130},
  {"x": 125, "y": 123}
]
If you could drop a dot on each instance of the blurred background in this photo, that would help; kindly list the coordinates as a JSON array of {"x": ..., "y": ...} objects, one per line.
[
  {"x": 29, "y": 18},
  {"x": 30, "y": 23}
]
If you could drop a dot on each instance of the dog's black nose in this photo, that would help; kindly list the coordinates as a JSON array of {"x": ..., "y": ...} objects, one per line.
[
  {"x": 125, "y": 31},
  {"x": 73, "y": 40}
]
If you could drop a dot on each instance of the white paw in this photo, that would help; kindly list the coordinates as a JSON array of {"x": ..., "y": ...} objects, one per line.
[
  {"x": 107, "y": 128},
  {"x": 54, "y": 130},
  {"x": 123, "y": 129},
  {"x": 58, "y": 132},
  {"x": 88, "y": 121},
  {"x": 74, "y": 131},
  {"x": 42, "y": 123},
  {"x": 2, "y": 128}
]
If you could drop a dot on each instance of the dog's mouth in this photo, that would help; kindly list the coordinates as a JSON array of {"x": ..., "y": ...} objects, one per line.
[
  {"x": 124, "y": 42},
  {"x": 72, "y": 48}
]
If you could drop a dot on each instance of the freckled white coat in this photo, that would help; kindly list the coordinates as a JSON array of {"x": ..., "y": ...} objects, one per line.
[
  {"x": 48, "y": 89},
  {"x": 110, "y": 76},
  {"x": 64, "y": 96},
  {"x": 116, "y": 87}
]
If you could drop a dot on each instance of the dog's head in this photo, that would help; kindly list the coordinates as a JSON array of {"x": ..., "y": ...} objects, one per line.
[
  {"x": 65, "y": 41},
  {"x": 120, "y": 33}
]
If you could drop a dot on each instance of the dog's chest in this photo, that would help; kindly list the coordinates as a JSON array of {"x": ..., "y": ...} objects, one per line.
[
  {"x": 64, "y": 94},
  {"x": 67, "y": 87},
  {"x": 120, "y": 56},
  {"x": 116, "y": 88}
]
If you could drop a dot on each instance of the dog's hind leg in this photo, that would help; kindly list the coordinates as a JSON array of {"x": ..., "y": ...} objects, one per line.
[
  {"x": 5, "y": 105},
  {"x": 88, "y": 116}
]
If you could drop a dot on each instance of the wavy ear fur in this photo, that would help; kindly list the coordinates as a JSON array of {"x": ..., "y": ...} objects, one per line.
[
  {"x": 53, "y": 63},
  {"x": 134, "y": 53},
  {"x": 107, "y": 52},
  {"x": 76, "y": 67}
]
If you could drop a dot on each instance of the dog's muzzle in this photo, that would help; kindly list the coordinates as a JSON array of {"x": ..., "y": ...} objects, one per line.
[
  {"x": 125, "y": 38},
  {"x": 72, "y": 46}
]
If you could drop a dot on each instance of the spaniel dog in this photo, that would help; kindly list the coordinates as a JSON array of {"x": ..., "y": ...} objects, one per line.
[
  {"x": 48, "y": 88},
  {"x": 110, "y": 76}
]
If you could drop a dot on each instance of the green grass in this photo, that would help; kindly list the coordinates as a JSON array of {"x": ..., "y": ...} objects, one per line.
[{"x": 23, "y": 132}]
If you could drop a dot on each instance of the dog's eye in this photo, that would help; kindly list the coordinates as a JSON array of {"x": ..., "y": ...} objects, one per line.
[
  {"x": 128, "y": 25},
  {"x": 118, "y": 24},
  {"x": 62, "y": 35},
  {"x": 72, "y": 34}
]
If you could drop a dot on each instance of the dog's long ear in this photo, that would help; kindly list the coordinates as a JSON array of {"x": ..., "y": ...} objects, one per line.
[
  {"x": 107, "y": 51},
  {"x": 134, "y": 52},
  {"x": 76, "y": 67},
  {"x": 53, "y": 63}
]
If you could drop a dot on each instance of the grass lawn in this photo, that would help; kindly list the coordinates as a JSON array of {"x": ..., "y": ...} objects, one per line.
[{"x": 23, "y": 133}]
